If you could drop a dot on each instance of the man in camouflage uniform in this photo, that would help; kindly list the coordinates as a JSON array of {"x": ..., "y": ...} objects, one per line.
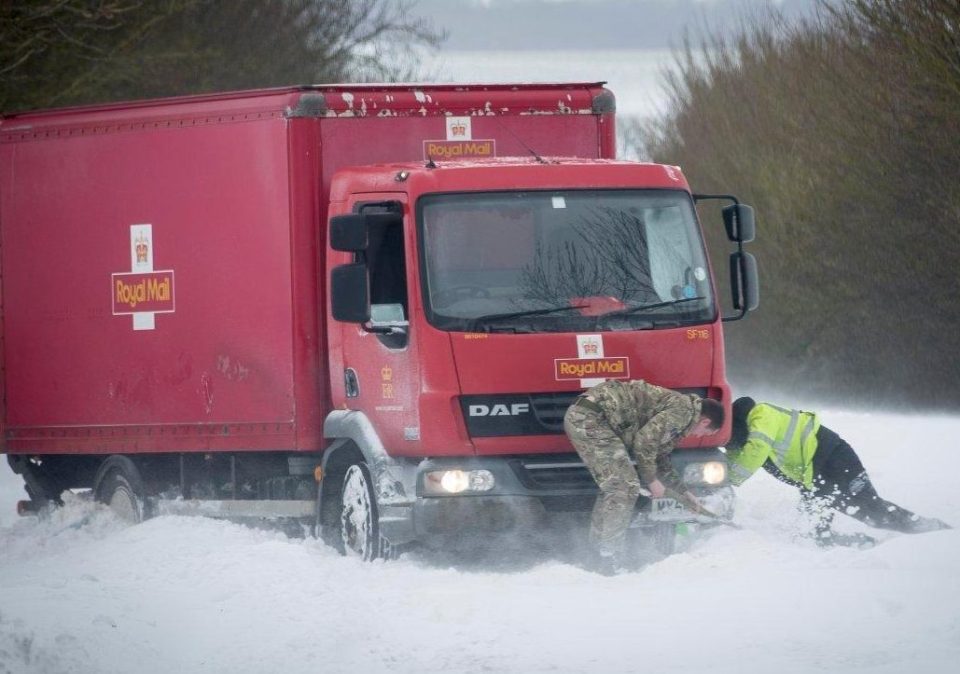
[{"x": 615, "y": 419}]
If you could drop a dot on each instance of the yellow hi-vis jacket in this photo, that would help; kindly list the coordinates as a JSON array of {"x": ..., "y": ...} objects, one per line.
[{"x": 787, "y": 437}]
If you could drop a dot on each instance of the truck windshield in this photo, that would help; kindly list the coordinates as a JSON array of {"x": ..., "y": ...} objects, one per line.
[{"x": 563, "y": 261}]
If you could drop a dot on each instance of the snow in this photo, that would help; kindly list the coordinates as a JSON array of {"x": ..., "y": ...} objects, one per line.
[{"x": 81, "y": 592}]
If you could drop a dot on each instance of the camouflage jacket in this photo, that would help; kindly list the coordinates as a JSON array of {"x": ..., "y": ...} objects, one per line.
[{"x": 649, "y": 419}]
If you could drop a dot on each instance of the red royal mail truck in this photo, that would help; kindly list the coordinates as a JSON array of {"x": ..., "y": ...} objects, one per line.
[{"x": 363, "y": 306}]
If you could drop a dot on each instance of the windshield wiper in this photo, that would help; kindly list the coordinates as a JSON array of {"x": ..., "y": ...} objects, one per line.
[
  {"x": 475, "y": 323},
  {"x": 642, "y": 308}
]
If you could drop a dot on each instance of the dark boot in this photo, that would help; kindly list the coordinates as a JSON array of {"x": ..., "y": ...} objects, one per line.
[
  {"x": 886, "y": 515},
  {"x": 604, "y": 564},
  {"x": 919, "y": 525}
]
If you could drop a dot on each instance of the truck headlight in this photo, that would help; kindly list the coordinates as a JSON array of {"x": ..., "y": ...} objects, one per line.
[
  {"x": 458, "y": 481},
  {"x": 709, "y": 472}
]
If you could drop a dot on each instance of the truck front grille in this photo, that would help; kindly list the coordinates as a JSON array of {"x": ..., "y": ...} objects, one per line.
[
  {"x": 549, "y": 408},
  {"x": 512, "y": 414},
  {"x": 516, "y": 413},
  {"x": 556, "y": 473}
]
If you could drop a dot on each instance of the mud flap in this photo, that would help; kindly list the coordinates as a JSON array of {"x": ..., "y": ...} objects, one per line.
[{"x": 41, "y": 488}]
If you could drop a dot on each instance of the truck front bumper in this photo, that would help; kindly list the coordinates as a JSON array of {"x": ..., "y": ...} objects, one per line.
[
  {"x": 526, "y": 493},
  {"x": 446, "y": 520}
]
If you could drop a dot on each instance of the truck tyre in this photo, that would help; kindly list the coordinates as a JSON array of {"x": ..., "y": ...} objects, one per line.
[
  {"x": 359, "y": 523},
  {"x": 118, "y": 485}
]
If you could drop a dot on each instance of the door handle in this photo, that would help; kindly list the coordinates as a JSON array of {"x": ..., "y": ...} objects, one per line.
[{"x": 351, "y": 382}]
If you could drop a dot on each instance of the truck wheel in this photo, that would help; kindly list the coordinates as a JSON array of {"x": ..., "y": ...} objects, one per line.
[
  {"x": 118, "y": 485},
  {"x": 359, "y": 525}
]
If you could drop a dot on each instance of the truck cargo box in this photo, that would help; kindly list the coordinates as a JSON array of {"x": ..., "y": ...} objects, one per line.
[{"x": 161, "y": 260}]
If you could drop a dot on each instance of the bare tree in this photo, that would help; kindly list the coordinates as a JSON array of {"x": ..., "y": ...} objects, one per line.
[
  {"x": 844, "y": 132},
  {"x": 46, "y": 46},
  {"x": 55, "y": 52}
]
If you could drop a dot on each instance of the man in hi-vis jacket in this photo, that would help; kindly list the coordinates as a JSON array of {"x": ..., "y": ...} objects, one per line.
[
  {"x": 615, "y": 419},
  {"x": 797, "y": 449}
]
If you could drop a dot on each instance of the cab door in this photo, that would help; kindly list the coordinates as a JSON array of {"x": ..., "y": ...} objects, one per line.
[{"x": 381, "y": 372}]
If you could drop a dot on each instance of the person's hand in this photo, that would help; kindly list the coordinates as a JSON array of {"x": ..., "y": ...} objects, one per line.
[{"x": 657, "y": 490}]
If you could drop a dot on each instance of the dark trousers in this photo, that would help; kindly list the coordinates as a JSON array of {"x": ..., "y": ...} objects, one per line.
[{"x": 840, "y": 483}]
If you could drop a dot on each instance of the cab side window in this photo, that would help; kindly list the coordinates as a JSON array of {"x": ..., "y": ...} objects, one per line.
[
  {"x": 386, "y": 262},
  {"x": 388, "y": 267}
]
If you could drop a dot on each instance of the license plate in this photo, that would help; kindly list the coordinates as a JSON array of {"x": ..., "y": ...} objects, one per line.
[{"x": 665, "y": 508}]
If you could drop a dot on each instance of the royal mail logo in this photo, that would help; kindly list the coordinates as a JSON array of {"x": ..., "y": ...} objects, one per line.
[
  {"x": 459, "y": 144},
  {"x": 142, "y": 292},
  {"x": 458, "y": 149},
  {"x": 617, "y": 367},
  {"x": 591, "y": 349},
  {"x": 459, "y": 128},
  {"x": 133, "y": 293},
  {"x": 141, "y": 248}
]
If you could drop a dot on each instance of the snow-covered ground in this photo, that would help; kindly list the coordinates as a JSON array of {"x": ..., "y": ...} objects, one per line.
[{"x": 79, "y": 592}]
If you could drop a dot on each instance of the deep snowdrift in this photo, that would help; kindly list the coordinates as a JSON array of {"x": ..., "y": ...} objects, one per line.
[{"x": 79, "y": 592}]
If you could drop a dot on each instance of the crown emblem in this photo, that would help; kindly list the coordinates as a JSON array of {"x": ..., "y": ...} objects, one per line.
[
  {"x": 142, "y": 248},
  {"x": 386, "y": 373},
  {"x": 591, "y": 349},
  {"x": 458, "y": 129}
]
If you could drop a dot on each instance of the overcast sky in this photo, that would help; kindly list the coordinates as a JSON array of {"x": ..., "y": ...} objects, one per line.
[{"x": 587, "y": 24}]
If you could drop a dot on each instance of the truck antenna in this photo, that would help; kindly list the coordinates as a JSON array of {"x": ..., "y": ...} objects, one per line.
[
  {"x": 430, "y": 163},
  {"x": 520, "y": 140}
]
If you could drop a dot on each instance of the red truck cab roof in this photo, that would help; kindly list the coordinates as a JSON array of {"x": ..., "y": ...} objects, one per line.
[{"x": 513, "y": 173}]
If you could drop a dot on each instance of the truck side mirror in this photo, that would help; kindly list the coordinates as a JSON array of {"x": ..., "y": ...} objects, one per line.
[
  {"x": 350, "y": 293},
  {"x": 351, "y": 233},
  {"x": 744, "y": 282},
  {"x": 740, "y": 223}
]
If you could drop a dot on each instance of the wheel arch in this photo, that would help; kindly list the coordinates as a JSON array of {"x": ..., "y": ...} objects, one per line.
[
  {"x": 119, "y": 472},
  {"x": 394, "y": 480},
  {"x": 125, "y": 466}
]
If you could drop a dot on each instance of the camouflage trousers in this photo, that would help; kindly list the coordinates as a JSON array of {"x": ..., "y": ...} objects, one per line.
[{"x": 608, "y": 460}]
